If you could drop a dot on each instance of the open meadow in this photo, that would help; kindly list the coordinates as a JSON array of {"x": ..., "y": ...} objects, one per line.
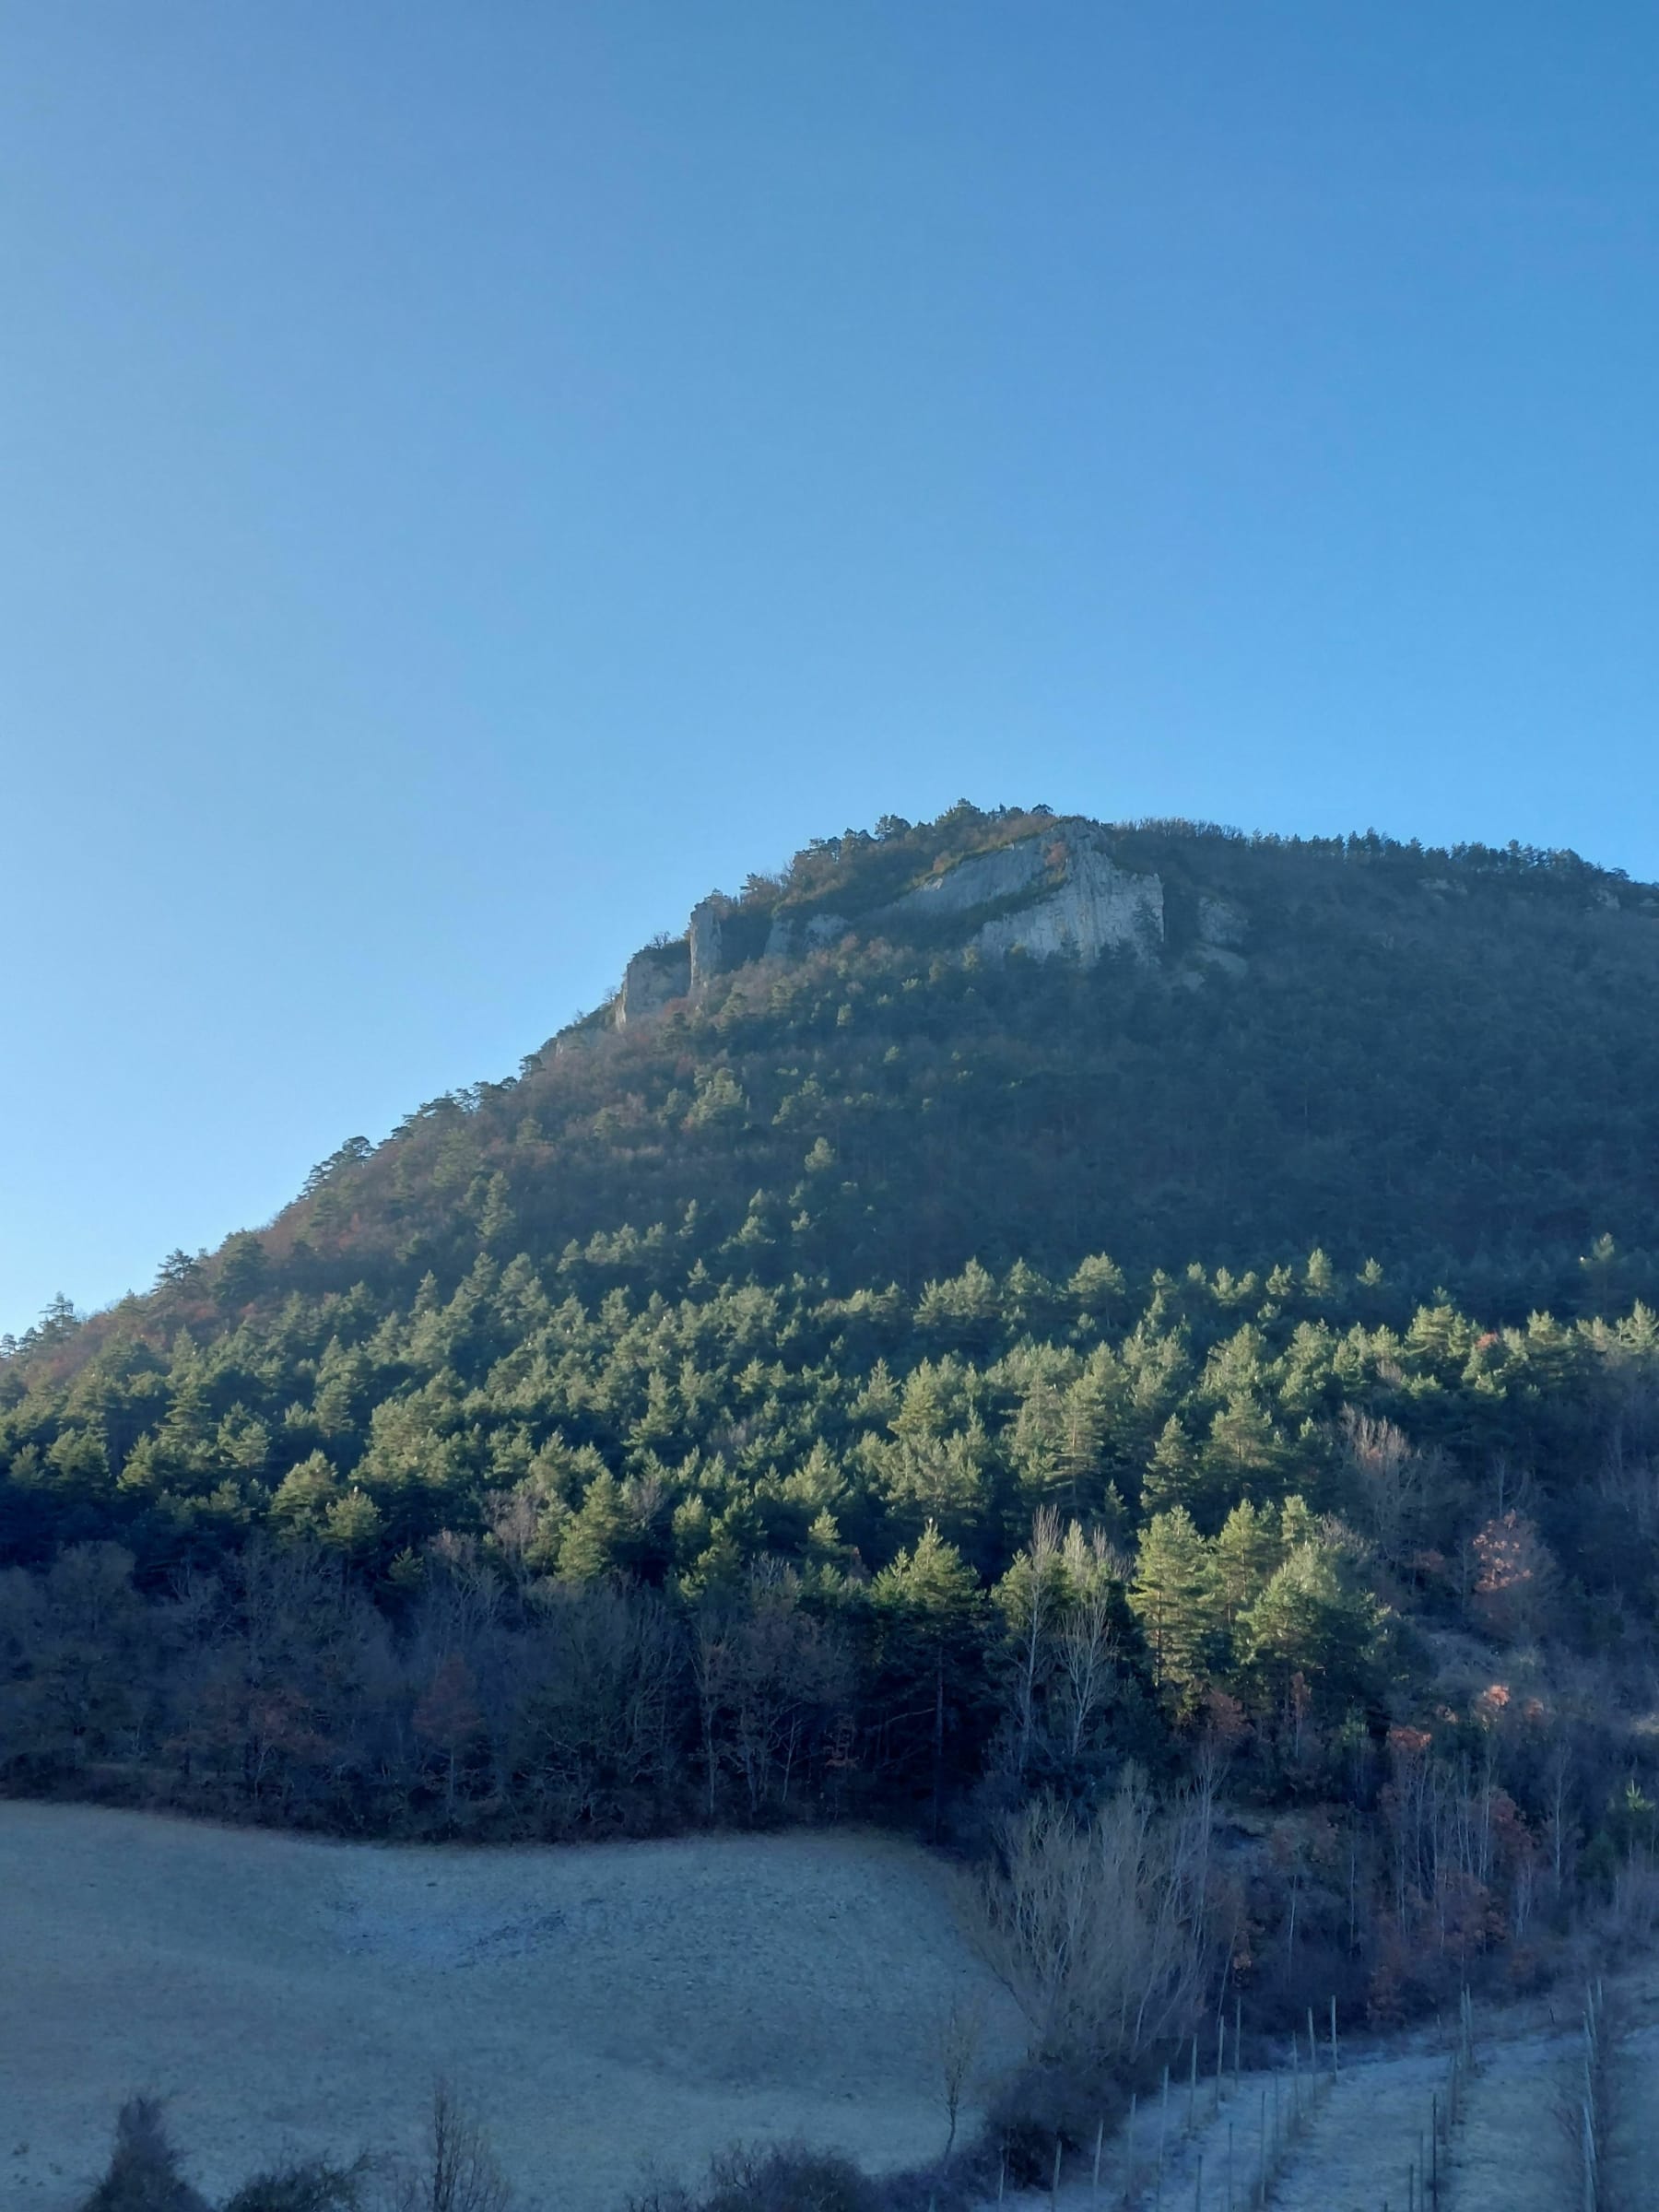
[
  {"x": 618, "y": 2010},
  {"x": 606, "y": 2009}
]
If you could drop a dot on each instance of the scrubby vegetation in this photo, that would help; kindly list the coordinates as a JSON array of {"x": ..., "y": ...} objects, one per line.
[
  {"x": 809, "y": 1405},
  {"x": 455, "y": 2172}
]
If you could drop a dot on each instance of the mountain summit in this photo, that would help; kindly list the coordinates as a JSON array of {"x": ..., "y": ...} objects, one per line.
[{"x": 1012, "y": 1035}]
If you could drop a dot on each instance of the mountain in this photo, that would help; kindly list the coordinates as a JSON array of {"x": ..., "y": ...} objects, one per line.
[
  {"x": 1001, "y": 1297},
  {"x": 1021, "y": 1037}
]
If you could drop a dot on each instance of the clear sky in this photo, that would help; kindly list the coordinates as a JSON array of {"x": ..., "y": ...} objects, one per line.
[{"x": 474, "y": 476}]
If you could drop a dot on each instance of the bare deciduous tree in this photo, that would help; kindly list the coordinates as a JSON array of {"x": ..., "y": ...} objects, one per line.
[
  {"x": 1088, "y": 1643},
  {"x": 458, "y": 2172},
  {"x": 1033, "y": 1625},
  {"x": 1099, "y": 1926},
  {"x": 960, "y": 2036},
  {"x": 1389, "y": 1478}
]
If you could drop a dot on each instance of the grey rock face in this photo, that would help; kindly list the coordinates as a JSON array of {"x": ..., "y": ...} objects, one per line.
[
  {"x": 1223, "y": 957},
  {"x": 1060, "y": 894},
  {"x": 981, "y": 879},
  {"x": 1219, "y": 920},
  {"x": 652, "y": 978},
  {"x": 1075, "y": 901},
  {"x": 787, "y": 937},
  {"x": 704, "y": 942},
  {"x": 1097, "y": 906}
]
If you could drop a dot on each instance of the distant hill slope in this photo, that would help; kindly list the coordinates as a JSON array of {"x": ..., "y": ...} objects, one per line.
[{"x": 1222, "y": 1048}]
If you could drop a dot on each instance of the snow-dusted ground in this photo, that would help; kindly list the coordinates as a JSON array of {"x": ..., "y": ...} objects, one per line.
[
  {"x": 606, "y": 2008},
  {"x": 613, "y": 2009},
  {"x": 1360, "y": 2136}
]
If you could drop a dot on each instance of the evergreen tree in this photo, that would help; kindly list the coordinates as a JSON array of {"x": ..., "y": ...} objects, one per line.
[
  {"x": 1311, "y": 1623},
  {"x": 1247, "y": 1550},
  {"x": 1173, "y": 1596},
  {"x": 929, "y": 1614}
]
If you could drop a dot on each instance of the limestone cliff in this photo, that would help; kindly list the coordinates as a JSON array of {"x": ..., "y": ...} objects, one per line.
[
  {"x": 1060, "y": 896},
  {"x": 703, "y": 939},
  {"x": 652, "y": 978},
  {"x": 789, "y": 937}
]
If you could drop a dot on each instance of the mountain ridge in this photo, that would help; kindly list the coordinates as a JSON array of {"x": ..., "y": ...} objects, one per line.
[{"x": 997, "y": 957}]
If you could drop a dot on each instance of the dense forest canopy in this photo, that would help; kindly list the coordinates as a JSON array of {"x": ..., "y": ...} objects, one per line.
[{"x": 892, "y": 1378}]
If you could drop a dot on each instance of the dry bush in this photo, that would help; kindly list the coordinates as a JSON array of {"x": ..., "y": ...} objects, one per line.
[
  {"x": 302, "y": 2186},
  {"x": 1098, "y": 1926},
  {"x": 784, "y": 2178},
  {"x": 1045, "y": 2101},
  {"x": 143, "y": 2173}
]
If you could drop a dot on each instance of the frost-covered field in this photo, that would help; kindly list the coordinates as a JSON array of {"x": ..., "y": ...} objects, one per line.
[
  {"x": 604, "y": 2007},
  {"x": 1363, "y": 2134},
  {"x": 611, "y": 2008}
]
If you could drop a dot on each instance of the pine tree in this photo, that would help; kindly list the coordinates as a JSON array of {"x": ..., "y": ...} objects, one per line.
[
  {"x": 496, "y": 1217},
  {"x": 1244, "y": 1454},
  {"x": 1309, "y": 1622},
  {"x": 1171, "y": 1477},
  {"x": 929, "y": 1613},
  {"x": 243, "y": 1270},
  {"x": 1246, "y": 1553},
  {"x": 1173, "y": 1596},
  {"x": 593, "y": 1541},
  {"x": 352, "y": 1524}
]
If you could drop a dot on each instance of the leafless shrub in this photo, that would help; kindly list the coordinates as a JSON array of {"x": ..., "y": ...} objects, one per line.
[
  {"x": 304, "y": 2185},
  {"x": 960, "y": 2036},
  {"x": 1098, "y": 1926},
  {"x": 784, "y": 2178}
]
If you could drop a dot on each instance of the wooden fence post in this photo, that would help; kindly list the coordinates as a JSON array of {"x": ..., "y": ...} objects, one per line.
[{"x": 1192, "y": 2090}]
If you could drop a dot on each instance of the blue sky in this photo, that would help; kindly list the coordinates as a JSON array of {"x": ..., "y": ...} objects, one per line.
[{"x": 473, "y": 478}]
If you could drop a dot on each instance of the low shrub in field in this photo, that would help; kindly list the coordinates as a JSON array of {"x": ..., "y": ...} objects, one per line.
[
  {"x": 784, "y": 2178},
  {"x": 143, "y": 2173},
  {"x": 1045, "y": 2101},
  {"x": 308, "y": 2185}
]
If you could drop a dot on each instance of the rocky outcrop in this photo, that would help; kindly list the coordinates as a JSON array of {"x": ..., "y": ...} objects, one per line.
[
  {"x": 1221, "y": 921},
  {"x": 652, "y": 978},
  {"x": 1222, "y": 958},
  {"x": 1097, "y": 906},
  {"x": 1059, "y": 894},
  {"x": 1064, "y": 896},
  {"x": 984, "y": 878},
  {"x": 789, "y": 937},
  {"x": 703, "y": 934}
]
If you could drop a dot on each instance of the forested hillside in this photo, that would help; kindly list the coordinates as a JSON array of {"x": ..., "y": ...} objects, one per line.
[{"x": 894, "y": 1380}]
